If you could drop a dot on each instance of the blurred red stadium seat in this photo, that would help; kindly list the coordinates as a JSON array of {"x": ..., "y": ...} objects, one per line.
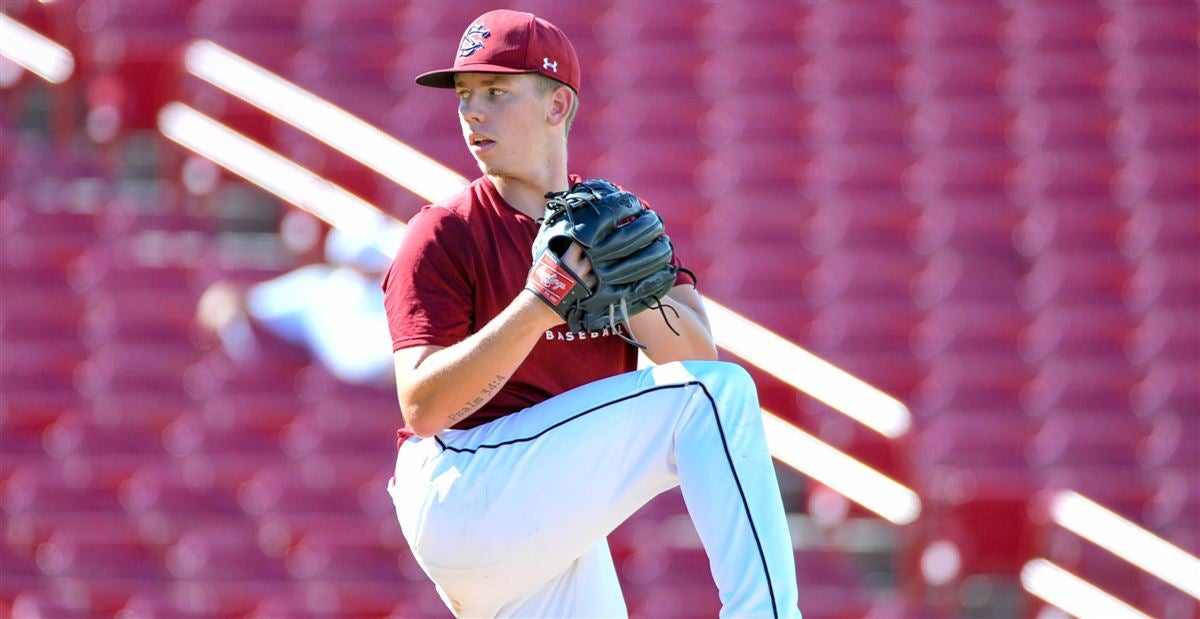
[
  {"x": 251, "y": 411},
  {"x": 757, "y": 269},
  {"x": 43, "y": 489},
  {"x": 438, "y": 22},
  {"x": 156, "y": 365},
  {"x": 1077, "y": 328},
  {"x": 39, "y": 308},
  {"x": 1037, "y": 75},
  {"x": 980, "y": 225},
  {"x": 99, "y": 553},
  {"x": 78, "y": 435},
  {"x": 62, "y": 602},
  {"x": 855, "y": 167},
  {"x": 138, "y": 409},
  {"x": 361, "y": 21},
  {"x": 630, "y": 23},
  {"x": 1169, "y": 384},
  {"x": 856, "y": 274},
  {"x": 18, "y": 571},
  {"x": 852, "y": 26},
  {"x": 49, "y": 360},
  {"x": 1097, "y": 275},
  {"x": 266, "y": 33},
  {"x": 866, "y": 220},
  {"x": 1174, "y": 507},
  {"x": 735, "y": 23},
  {"x": 276, "y": 490},
  {"x": 1080, "y": 438},
  {"x": 278, "y": 533},
  {"x": 952, "y": 276},
  {"x": 965, "y": 73},
  {"x": 346, "y": 555},
  {"x": 973, "y": 437},
  {"x": 1165, "y": 225},
  {"x": 767, "y": 166},
  {"x": 623, "y": 68},
  {"x": 1084, "y": 380},
  {"x": 869, "y": 120},
  {"x": 194, "y": 435},
  {"x": 954, "y": 26},
  {"x": 157, "y": 489},
  {"x": 578, "y": 20},
  {"x": 181, "y": 602},
  {"x": 1054, "y": 27},
  {"x": 671, "y": 160},
  {"x": 958, "y": 121},
  {"x": 276, "y": 367},
  {"x": 33, "y": 410},
  {"x": 1061, "y": 123},
  {"x": 751, "y": 68},
  {"x": 1095, "y": 565},
  {"x": 781, "y": 222},
  {"x": 309, "y": 435},
  {"x": 753, "y": 117},
  {"x": 973, "y": 380},
  {"x": 129, "y": 52},
  {"x": 1076, "y": 173},
  {"x": 1150, "y": 27},
  {"x": 222, "y": 554},
  {"x": 958, "y": 173},
  {"x": 1152, "y": 75},
  {"x": 668, "y": 114},
  {"x": 138, "y": 314},
  {"x": 862, "y": 326},
  {"x": 849, "y": 72},
  {"x": 1168, "y": 445},
  {"x": 1053, "y": 225},
  {"x": 1164, "y": 278},
  {"x": 967, "y": 327}
]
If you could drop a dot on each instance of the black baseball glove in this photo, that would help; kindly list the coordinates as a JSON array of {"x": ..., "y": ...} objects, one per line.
[{"x": 624, "y": 240}]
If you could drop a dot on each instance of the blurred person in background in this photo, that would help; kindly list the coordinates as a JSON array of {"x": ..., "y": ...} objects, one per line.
[{"x": 334, "y": 309}]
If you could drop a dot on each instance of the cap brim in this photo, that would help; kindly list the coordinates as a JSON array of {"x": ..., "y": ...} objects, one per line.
[{"x": 444, "y": 78}]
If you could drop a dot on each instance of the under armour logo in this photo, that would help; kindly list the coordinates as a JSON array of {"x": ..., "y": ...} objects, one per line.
[
  {"x": 547, "y": 64},
  {"x": 472, "y": 40}
]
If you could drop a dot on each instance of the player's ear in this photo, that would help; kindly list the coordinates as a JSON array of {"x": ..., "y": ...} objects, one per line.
[{"x": 561, "y": 101}]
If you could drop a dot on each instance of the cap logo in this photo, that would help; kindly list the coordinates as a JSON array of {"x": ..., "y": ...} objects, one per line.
[
  {"x": 472, "y": 40},
  {"x": 547, "y": 64}
]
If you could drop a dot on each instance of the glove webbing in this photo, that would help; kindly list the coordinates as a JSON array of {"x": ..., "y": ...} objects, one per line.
[{"x": 558, "y": 201}]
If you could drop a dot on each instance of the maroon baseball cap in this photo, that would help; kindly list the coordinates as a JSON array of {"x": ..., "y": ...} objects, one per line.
[{"x": 504, "y": 41}]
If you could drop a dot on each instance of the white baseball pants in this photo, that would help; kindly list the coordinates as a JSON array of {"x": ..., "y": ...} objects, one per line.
[{"x": 509, "y": 519}]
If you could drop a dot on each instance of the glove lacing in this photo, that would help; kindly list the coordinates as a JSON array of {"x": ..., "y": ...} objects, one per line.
[{"x": 559, "y": 202}]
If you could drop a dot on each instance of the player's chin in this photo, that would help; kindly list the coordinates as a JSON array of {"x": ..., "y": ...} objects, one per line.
[{"x": 489, "y": 166}]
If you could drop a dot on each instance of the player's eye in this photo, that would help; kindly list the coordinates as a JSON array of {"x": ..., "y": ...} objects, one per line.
[{"x": 495, "y": 92}]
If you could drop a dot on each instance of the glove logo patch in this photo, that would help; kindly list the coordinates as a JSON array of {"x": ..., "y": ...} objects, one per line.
[
  {"x": 472, "y": 40},
  {"x": 551, "y": 280}
]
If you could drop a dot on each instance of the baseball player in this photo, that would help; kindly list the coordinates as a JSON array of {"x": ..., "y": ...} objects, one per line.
[{"x": 526, "y": 440}]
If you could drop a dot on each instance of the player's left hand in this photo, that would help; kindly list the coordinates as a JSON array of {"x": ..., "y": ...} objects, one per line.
[
  {"x": 628, "y": 257},
  {"x": 577, "y": 261}
]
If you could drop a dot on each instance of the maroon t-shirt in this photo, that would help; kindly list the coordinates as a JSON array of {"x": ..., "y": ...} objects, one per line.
[{"x": 460, "y": 264}]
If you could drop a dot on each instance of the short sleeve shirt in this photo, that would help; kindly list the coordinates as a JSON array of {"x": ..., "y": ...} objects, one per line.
[{"x": 460, "y": 264}]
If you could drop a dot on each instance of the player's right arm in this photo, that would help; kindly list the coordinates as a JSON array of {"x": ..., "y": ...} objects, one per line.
[{"x": 439, "y": 386}]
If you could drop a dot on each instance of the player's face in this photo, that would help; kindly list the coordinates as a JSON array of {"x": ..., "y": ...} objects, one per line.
[{"x": 503, "y": 120}]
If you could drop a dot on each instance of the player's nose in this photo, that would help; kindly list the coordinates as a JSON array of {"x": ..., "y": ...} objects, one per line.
[{"x": 469, "y": 109}]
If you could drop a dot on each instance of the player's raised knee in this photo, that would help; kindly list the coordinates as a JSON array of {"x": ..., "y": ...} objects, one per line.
[{"x": 720, "y": 373}]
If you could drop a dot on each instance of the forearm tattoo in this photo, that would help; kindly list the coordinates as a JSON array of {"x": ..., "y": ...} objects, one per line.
[{"x": 485, "y": 394}]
